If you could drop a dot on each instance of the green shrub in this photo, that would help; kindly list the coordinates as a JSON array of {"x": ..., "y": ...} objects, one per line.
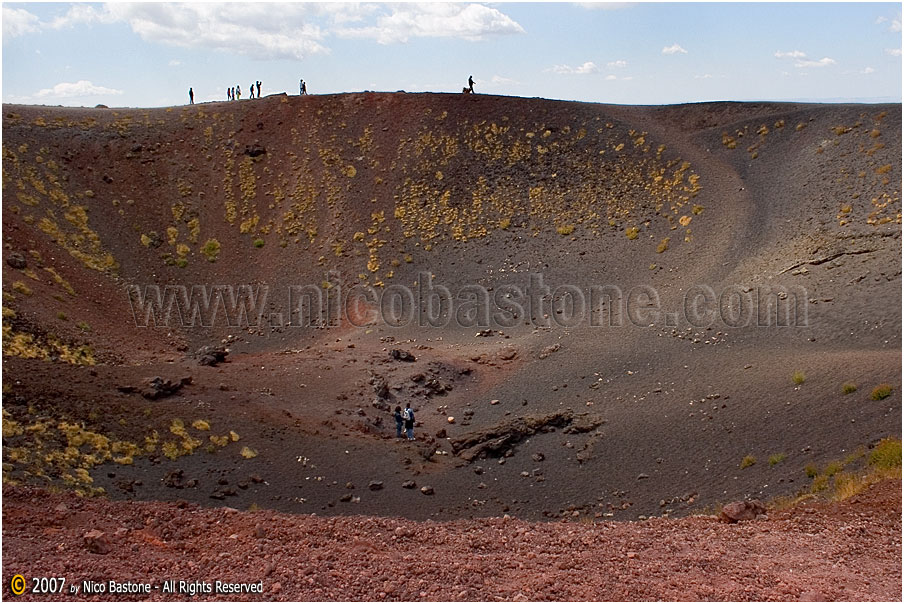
[
  {"x": 258, "y": 243},
  {"x": 886, "y": 455},
  {"x": 880, "y": 392},
  {"x": 833, "y": 468},
  {"x": 565, "y": 229},
  {"x": 211, "y": 249},
  {"x": 748, "y": 461},
  {"x": 798, "y": 377},
  {"x": 811, "y": 470},
  {"x": 848, "y": 387},
  {"x": 776, "y": 458}
]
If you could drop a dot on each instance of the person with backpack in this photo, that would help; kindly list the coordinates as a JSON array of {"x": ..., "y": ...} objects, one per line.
[
  {"x": 399, "y": 422},
  {"x": 408, "y": 416},
  {"x": 191, "y": 96}
]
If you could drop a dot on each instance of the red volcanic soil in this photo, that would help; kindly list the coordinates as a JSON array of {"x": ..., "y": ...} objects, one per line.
[
  {"x": 842, "y": 551},
  {"x": 739, "y": 246}
]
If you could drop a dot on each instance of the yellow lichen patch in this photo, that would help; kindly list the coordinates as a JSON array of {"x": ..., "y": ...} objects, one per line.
[
  {"x": 350, "y": 171},
  {"x": 663, "y": 245},
  {"x": 684, "y": 220},
  {"x": 58, "y": 279},
  {"x": 248, "y": 453},
  {"x": 194, "y": 229},
  {"x": 23, "y": 289},
  {"x": 172, "y": 234},
  {"x": 632, "y": 232}
]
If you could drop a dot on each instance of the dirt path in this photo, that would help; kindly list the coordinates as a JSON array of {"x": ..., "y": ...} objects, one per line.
[{"x": 843, "y": 551}]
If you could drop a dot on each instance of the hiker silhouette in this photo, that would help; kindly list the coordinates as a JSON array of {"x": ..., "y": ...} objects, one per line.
[
  {"x": 191, "y": 96},
  {"x": 471, "y": 84},
  {"x": 238, "y": 93},
  {"x": 258, "y": 89}
]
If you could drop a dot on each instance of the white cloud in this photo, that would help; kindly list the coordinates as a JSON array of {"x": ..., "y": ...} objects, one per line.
[
  {"x": 611, "y": 77},
  {"x": 586, "y": 68},
  {"x": 174, "y": 63},
  {"x": 802, "y": 61},
  {"x": 705, "y": 76},
  {"x": 65, "y": 90},
  {"x": 255, "y": 30},
  {"x": 673, "y": 49},
  {"x": 895, "y": 52},
  {"x": 81, "y": 14},
  {"x": 435, "y": 20},
  {"x": 823, "y": 62},
  {"x": 499, "y": 80},
  {"x": 626, "y": 78},
  {"x": 18, "y": 21},
  {"x": 868, "y": 70},
  {"x": 895, "y": 25},
  {"x": 619, "y": 64}
]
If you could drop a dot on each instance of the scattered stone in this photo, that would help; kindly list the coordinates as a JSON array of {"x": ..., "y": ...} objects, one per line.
[
  {"x": 538, "y": 457},
  {"x": 174, "y": 479},
  {"x": 219, "y": 495},
  {"x": 211, "y": 356},
  {"x": 426, "y": 490},
  {"x": 548, "y": 351},
  {"x": 508, "y": 353},
  {"x": 375, "y": 485},
  {"x": 738, "y": 511},
  {"x": 255, "y": 150},
  {"x": 97, "y": 542},
  {"x": 441, "y": 433},
  {"x": 255, "y": 479},
  {"x": 346, "y": 498},
  {"x": 642, "y": 476},
  {"x": 402, "y": 355},
  {"x": 409, "y": 484},
  {"x": 495, "y": 401}
]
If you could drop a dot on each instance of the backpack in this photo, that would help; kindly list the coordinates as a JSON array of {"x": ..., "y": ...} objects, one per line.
[{"x": 406, "y": 414}]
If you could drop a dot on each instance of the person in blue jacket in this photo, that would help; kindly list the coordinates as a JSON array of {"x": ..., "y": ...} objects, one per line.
[{"x": 399, "y": 422}]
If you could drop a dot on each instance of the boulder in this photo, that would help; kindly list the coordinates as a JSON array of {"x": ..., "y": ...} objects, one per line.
[
  {"x": 16, "y": 260},
  {"x": 737, "y": 511},
  {"x": 97, "y": 542},
  {"x": 402, "y": 355}
]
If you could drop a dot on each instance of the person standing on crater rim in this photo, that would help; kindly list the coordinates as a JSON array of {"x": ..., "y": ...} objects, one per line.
[
  {"x": 399, "y": 422},
  {"x": 238, "y": 92},
  {"x": 409, "y": 421},
  {"x": 191, "y": 96},
  {"x": 258, "y": 89},
  {"x": 471, "y": 84}
]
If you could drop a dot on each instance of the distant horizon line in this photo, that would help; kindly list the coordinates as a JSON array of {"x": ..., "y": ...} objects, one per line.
[{"x": 885, "y": 100}]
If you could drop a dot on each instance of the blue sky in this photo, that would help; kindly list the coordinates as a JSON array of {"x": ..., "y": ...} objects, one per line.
[{"x": 149, "y": 54}]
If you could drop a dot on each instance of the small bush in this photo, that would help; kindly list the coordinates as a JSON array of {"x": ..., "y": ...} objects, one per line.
[
  {"x": 182, "y": 262},
  {"x": 22, "y": 288},
  {"x": 880, "y": 392},
  {"x": 748, "y": 461},
  {"x": 632, "y": 232},
  {"x": 776, "y": 458},
  {"x": 248, "y": 453},
  {"x": 211, "y": 249},
  {"x": 848, "y": 387},
  {"x": 812, "y": 471},
  {"x": 258, "y": 243},
  {"x": 62, "y": 316},
  {"x": 663, "y": 245},
  {"x": 886, "y": 455},
  {"x": 83, "y": 325},
  {"x": 833, "y": 468},
  {"x": 565, "y": 229},
  {"x": 798, "y": 377}
]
